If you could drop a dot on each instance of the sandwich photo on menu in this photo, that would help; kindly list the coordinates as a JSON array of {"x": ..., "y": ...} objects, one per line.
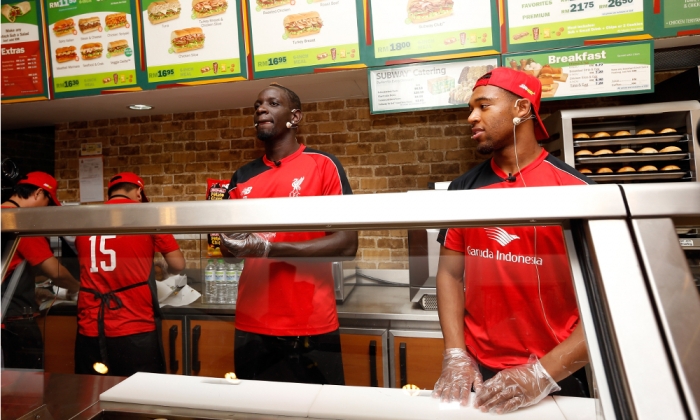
[
  {"x": 187, "y": 39},
  {"x": 163, "y": 11},
  {"x": 302, "y": 24},
  {"x": 91, "y": 50},
  {"x": 11, "y": 12},
  {"x": 206, "y": 8},
  {"x": 90, "y": 24},
  {"x": 117, "y": 47},
  {"x": 269, "y": 4},
  {"x": 65, "y": 54},
  {"x": 115, "y": 20},
  {"x": 424, "y": 10},
  {"x": 64, "y": 27}
]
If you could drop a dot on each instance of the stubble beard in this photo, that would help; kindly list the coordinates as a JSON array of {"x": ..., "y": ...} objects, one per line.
[{"x": 265, "y": 135}]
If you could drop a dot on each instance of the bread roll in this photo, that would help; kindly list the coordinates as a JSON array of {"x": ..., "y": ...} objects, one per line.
[
  {"x": 648, "y": 150},
  {"x": 648, "y": 168},
  {"x": 603, "y": 152},
  {"x": 667, "y": 130},
  {"x": 622, "y": 133},
  {"x": 626, "y": 169},
  {"x": 584, "y": 152},
  {"x": 670, "y": 149},
  {"x": 645, "y": 131},
  {"x": 604, "y": 171},
  {"x": 601, "y": 134},
  {"x": 546, "y": 80},
  {"x": 671, "y": 168},
  {"x": 585, "y": 171},
  {"x": 581, "y": 136},
  {"x": 625, "y": 150}
]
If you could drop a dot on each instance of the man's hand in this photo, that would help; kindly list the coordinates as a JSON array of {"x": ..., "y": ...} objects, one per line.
[
  {"x": 520, "y": 386},
  {"x": 459, "y": 373},
  {"x": 247, "y": 244}
]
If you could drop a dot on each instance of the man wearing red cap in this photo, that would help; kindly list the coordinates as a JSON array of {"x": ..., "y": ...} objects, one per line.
[
  {"x": 22, "y": 344},
  {"x": 510, "y": 321},
  {"x": 118, "y": 312}
]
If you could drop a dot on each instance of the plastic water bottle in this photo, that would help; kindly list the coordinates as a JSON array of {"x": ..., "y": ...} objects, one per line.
[
  {"x": 209, "y": 283},
  {"x": 220, "y": 280},
  {"x": 231, "y": 283}
]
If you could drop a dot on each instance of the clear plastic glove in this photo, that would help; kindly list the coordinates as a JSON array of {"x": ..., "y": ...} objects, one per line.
[
  {"x": 247, "y": 244},
  {"x": 516, "y": 387},
  {"x": 459, "y": 373},
  {"x": 163, "y": 265}
]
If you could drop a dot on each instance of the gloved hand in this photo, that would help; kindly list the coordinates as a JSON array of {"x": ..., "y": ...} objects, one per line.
[
  {"x": 516, "y": 387},
  {"x": 459, "y": 373},
  {"x": 163, "y": 265},
  {"x": 247, "y": 244}
]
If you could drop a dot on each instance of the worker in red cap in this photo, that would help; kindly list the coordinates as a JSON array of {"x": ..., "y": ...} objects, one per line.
[
  {"x": 118, "y": 312},
  {"x": 506, "y": 301},
  {"x": 22, "y": 345}
]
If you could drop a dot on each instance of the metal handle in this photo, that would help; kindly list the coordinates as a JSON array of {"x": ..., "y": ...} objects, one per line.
[
  {"x": 373, "y": 363},
  {"x": 174, "y": 364},
  {"x": 402, "y": 364},
  {"x": 196, "y": 333}
]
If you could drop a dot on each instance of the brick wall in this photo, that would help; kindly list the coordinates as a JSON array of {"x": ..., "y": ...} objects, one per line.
[{"x": 176, "y": 153}]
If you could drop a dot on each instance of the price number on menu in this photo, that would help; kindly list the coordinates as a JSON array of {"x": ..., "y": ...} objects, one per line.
[
  {"x": 580, "y": 7},
  {"x": 617, "y": 3},
  {"x": 398, "y": 46},
  {"x": 275, "y": 61},
  {"x": 165, "y": 73},
  {"x": 71, "y": 83}
]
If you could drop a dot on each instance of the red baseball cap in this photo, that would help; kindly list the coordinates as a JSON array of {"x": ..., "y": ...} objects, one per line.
[
  {"x": 520, "y": 84},
  {"x": 131, "y": 178},
  {"x": 44, "y": 181}
]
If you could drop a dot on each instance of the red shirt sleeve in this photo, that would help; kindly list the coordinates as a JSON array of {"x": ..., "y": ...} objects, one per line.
[
  {"x": 454, "y": 239},
  {"x": 35, "y": 250},
  {"x": 166, "y": 243}
]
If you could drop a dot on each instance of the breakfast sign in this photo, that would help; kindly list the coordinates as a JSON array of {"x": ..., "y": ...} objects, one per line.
[
  {"x": 544, "y": 24},
  {"x": 303, "y": 36},
  {"x": 23, "y": 61},
  {"x": 433, "y": 85},
  {"x": 419, "y": 30},
  {"x": 611, "y": 69},
  {"x": 193, "y": 41},
  {"x": 92, "y": 45}
]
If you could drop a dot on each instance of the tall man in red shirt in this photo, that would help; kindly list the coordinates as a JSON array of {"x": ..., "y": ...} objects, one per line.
[
  {"x": 118, "y": 312},
  {"x": 22, "y": 344},
  {"x": 286, "y": 319},
  {"x": 506, "y": 302}
]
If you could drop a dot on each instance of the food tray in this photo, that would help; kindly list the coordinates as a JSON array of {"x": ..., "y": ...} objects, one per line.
[
  {"x": 606, "y": 141},
  {"x": 644, "y": 176},
  {"x": 633, "y": 157}
]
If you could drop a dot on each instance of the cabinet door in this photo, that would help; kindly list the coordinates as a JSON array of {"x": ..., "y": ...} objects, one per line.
[
  {"x": 211, "y": 346},
  {"x": 59, "y": 342},
  {"x": 173, "y": 332},
  {"x": 364, "y": 356},
  {"x": 416, "y": 358}
]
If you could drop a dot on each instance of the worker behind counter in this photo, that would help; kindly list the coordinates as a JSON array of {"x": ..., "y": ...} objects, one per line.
[
  {"x": 22, "y": 344},
  {"x": 512, "y": 328},
  {"x": 118, "y": 313},
  {"x": 286, "y": 318}
]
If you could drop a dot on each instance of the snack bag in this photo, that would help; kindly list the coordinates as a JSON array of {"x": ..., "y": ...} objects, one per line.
[{"x": 216, "y": 189}]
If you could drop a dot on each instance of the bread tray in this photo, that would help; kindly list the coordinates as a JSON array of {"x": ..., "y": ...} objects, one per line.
[
  {"x": 606, "y": 141},
  {"x": 632, "y": 157},
  {"x": 637, "y": 176}
]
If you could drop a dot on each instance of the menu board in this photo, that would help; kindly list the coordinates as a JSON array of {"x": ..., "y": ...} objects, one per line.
[
  {"x": 544, "y": 24},
  {"x": 677, "y": 18},
  {"x": 193, "y": 40},
  {"x": 299, "y": 36},
  {"x": 433, "y": 85},
  {"x": 92, "y": 46},
  {"x": 612, "y": 69},
  {"x": 419, "y": 28},
  {"x": 23, "y": 68}
]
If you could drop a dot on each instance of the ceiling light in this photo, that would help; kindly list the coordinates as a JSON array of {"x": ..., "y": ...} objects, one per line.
[{"x": 140, "y": 107}]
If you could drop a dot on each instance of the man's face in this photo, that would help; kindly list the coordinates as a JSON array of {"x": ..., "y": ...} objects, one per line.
[
  {"x": 272, "y": 112},
  {"x": 491, "y": 118}
]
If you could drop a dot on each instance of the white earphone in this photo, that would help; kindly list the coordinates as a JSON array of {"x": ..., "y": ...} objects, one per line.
[
  {"x": 518, "y": 120},
  {"x": 289, "y": 123}
]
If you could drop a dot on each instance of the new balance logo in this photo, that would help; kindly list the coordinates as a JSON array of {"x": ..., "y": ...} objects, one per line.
[{"x": 501, "y": 236}]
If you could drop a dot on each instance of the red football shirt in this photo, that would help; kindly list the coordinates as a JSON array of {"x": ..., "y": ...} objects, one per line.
[
  {"x": 286, "y": 297},
  {"x": 110, "y": 262},
  {"x": 519, "y": 297}
]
